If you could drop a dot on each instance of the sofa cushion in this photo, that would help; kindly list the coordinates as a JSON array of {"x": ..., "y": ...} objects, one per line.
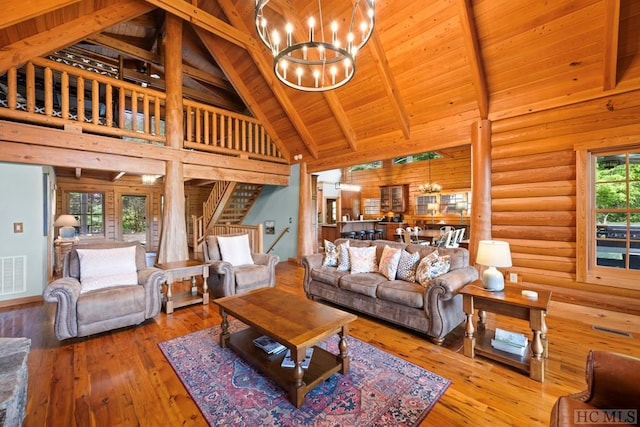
[
  {"x": 329, "y": 275},
  {"x": 389, "y": 262},
  {"x": 330, "y": 255},
  {"x": 365, "y": 283},
  {"x": 431, "y": 267},
  {"x": 343, "y": 257},
  {"x": 105, "y": 268},
  {"x": 235, "y": 249},
  {"x": 407, "y": 265},
  {"x": 251, "y": 276},
  {"x": 363, "y": 260},
  {"x": 401, "y": 292},
  {"x": 99, "y": 306}
]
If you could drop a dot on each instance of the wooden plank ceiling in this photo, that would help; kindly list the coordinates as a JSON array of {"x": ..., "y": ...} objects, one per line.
[{"x": 432, "y": 69}]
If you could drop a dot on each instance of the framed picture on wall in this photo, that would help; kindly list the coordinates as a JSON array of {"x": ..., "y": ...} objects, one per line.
[{"x": 269, "y": 227}]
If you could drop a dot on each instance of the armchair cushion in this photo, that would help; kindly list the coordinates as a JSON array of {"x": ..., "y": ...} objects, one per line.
[
  {"x": 104, "y": 268},
  {"x": 235, "y": 249}
]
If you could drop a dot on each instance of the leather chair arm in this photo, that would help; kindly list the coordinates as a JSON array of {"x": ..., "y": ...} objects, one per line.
[
  {"x": 270, "y": 261},
  {"x": 65, "y": 292},
  {"x": 152, "y": 279},
  {"x": 612, "y": 380}
]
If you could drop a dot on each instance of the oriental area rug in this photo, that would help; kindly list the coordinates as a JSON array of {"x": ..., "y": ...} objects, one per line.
[{"x": 379, "y": 390}]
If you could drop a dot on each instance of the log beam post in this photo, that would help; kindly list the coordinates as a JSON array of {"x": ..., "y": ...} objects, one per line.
[
  {"x": 173, "y": 240},
  {"x": 480, "y": 185}
]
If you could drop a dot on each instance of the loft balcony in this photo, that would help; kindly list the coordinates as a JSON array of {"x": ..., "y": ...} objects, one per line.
[{"x": 53, "y": 94}]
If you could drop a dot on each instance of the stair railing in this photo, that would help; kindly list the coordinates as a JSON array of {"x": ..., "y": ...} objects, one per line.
[{"x": 285, "y": 230}]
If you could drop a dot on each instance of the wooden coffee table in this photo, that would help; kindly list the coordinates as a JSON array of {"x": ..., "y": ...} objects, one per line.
[{"x": 297, "y": 323}]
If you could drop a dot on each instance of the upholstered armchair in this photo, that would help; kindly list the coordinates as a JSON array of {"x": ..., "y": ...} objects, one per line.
[
  {"x": 104, "y": 286},
  {"x": 233, "y": 268},
  {"x": 613, "y": 383}
]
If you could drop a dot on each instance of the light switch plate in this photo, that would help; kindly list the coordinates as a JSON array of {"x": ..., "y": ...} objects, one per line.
[
  {"x": 513, "y": 277},
  {"x": 17, "y": 227}
]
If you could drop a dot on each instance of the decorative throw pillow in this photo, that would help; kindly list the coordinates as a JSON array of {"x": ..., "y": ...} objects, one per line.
[
  {"x": 343, "y": 257},
  {"x": 432, "y": 266},
  {"x": 104, "y": 268},
  {"x": 407, "y": 266},
  {"x": 389, "y": 262},
  {"x": 330, "y": 255},
  {"x": 363, "y": 260},
  {"x": 235, "y": 249}
]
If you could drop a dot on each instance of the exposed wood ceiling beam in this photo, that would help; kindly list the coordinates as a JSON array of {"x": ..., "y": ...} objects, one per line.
[
  {"x": 154, "y": 58},
  {"x": 200, "y": 18},
  {"x": 611, "y": 32},
  {"x": 470, "y": 36},
  {"x": 389, "y": 84},
  {"x": 70, "y": 32},
  {"x": 265, "y": 69},
  {"x": 15, "y": 11}
]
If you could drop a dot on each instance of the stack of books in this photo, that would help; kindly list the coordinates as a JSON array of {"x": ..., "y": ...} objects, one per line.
[
  {"x": 269, "y": 345},
  {"x": 511, "y": 342}
]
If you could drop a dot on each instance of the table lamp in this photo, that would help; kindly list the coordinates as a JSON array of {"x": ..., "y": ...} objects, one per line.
[
  {"x": 492, "y": 254},
  {"x": 67, "y": 224}
]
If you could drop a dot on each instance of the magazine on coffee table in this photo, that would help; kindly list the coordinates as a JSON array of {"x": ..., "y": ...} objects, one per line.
[
  {"x": 269, "y": 345},
  {"x": 288, "y": 361}
]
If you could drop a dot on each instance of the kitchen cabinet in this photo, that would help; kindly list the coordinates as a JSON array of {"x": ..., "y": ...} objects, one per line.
[{"x": 394, "y": 198}]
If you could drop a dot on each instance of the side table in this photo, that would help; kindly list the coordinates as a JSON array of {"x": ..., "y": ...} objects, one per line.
[
  {"x": 509, "y": 302},
  {"x": 178, "y": 270}
]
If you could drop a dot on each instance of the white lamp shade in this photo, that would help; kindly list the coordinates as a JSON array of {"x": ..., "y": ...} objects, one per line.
[
  {"x": 492, "y": 254},
  {"x": 66, "y": 221}
]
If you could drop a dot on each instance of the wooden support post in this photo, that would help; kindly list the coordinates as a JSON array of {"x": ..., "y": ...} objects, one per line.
[
  {"x": 305, "y": 226},
  {"x": 173, "y": 240},
  {"x": 481, "y": 185}
]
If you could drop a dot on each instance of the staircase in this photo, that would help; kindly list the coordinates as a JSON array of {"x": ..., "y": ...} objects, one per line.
[{"x": 228, "y": 203}]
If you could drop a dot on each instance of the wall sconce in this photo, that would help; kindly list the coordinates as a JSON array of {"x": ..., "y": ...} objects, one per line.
[{"x": 492, "y": 254}]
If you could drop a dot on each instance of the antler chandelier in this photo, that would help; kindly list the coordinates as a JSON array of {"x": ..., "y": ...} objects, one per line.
[{"x": 316, "y": 64}]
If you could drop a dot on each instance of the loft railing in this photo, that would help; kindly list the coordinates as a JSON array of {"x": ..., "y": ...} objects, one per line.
[{"x": 55, "y": 94}]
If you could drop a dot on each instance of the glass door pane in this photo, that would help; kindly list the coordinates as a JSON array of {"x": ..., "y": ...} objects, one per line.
[{"x": 134, "y": 219}]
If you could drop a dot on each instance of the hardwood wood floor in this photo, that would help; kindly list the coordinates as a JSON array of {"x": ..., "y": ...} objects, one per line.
[{"x": 122, "y": 379}]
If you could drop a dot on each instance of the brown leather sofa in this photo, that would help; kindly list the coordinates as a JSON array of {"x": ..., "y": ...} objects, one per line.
[{"x": 612, "y": 395}]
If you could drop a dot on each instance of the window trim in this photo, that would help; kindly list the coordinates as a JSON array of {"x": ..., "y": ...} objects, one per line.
[
  {"x": 586, "y": 269},
  {"x": 67, "y": 209}
]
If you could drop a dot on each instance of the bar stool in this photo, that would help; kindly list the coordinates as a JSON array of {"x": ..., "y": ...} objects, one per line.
[
  {"x": 379, "y": 233},
  {"x": 348, "y": 234},
  {"x": 371, "y": 234},
  {"x": 362, "y": 235}
]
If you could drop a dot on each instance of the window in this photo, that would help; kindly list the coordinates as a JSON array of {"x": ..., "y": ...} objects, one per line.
[
  {"x": 612, "y": 218},
  {"x": 365, "y": 166},
  {"x": 88, "y": 208},
  {"x": 134, "y": 218},
  {"x": 426, "y": 205},
  {"x": 416, "y": 158},
  {"x": 372, "y": 206}
]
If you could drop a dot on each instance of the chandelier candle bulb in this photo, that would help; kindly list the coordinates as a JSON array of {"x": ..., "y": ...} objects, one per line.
[{"x": 313, "y": 53}]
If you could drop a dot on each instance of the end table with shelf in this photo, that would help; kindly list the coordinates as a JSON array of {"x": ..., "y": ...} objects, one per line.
[
  {"x": 509, "y": 302},
  {"x": 177, "y": 270}
]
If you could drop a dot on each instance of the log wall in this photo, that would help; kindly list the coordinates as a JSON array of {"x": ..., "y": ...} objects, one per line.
[{"x": 534, "y": 188}]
